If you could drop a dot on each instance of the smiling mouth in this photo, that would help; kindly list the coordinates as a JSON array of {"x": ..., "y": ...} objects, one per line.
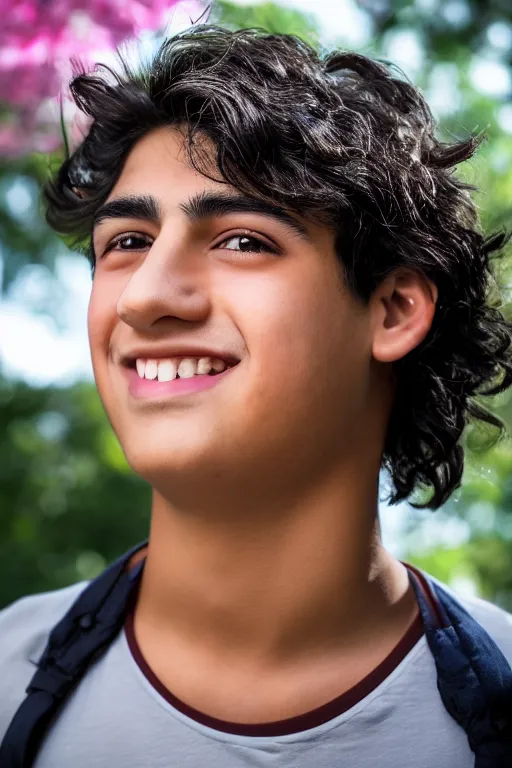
[
  {"x": 170, "y": 378},
  {"x": 176, "y": 368}
]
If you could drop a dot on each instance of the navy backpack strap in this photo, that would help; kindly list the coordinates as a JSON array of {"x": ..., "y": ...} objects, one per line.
[
  {"x": 473, "y": 676},
  {"x": 81, "y": 635}
]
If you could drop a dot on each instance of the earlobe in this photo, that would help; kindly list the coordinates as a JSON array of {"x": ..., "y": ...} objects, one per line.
[{"x": 403, "y": 309}]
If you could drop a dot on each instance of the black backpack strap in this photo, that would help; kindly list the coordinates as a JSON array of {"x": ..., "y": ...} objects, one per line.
[
  {"x": 473, "y": 676},
  {"x": 81, "y": 636}
]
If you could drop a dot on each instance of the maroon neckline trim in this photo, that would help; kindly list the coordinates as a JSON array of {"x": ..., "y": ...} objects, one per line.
[{"x": 290, "y": 725}]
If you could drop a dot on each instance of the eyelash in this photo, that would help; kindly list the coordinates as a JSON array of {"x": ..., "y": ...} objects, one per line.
[
  {"x": 125, "y": 236},
  {"x": 262, "y": 244}
]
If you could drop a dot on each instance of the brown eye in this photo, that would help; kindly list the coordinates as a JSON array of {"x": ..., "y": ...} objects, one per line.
[
  {"x": 245, "y": 244},
  {"x": 128, "y": 242}
]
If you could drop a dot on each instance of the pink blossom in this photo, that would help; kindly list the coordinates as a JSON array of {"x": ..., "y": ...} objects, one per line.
[
  {"x": 40, "y": 38},
  {"x": 19, "y": 139}
]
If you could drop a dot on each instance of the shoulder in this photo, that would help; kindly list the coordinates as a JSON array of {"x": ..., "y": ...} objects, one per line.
[
  {"x": 495, "y": 620},
  {"x": 24, "y": 629},
  {"x": 26, "y": 623}
]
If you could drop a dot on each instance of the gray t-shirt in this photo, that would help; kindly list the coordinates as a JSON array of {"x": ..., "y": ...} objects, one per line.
[{"x": 120, "y": 715}]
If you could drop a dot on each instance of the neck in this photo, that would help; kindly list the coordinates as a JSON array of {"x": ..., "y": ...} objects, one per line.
[{"x": 276, "y": 584}]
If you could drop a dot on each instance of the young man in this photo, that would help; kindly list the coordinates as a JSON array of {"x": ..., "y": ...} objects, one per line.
[{"x": 288, "y": 294}]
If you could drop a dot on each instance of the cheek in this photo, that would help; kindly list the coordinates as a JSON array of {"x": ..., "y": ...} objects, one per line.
[
  {"x": 304, "y": 338},
  {"x": 101, "y": 319},
  {"x": 306, "y": 391},
  {"x": 297, "y": 320}
]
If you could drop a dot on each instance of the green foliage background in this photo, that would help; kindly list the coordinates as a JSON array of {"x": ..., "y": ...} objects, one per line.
[{"x": 68, "y": 501}]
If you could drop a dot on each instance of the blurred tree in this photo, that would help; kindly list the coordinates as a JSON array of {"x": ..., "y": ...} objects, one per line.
[
  {"x": 69, "y": 503},
  {"x": 484, "y": 505},
  {"x": 268, "y": 16},
  {"x": 449, "y": 29},
  {"x": 25, "y": 238}
]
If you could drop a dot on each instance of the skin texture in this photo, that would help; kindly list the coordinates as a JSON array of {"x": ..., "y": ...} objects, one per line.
[{"x": 264, "y": 561}]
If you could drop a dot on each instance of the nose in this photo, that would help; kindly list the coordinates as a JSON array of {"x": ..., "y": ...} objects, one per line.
[{"x": 170, "y": 282}]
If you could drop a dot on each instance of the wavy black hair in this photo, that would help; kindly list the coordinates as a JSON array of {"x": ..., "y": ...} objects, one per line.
[{"x": 343, "y": 140}]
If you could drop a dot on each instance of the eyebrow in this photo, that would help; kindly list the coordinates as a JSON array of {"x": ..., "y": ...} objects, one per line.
[
  {"x": 206, "y": 205},
  {"x": 200, "y": 207},
  {"x": 144, "y": 207}
]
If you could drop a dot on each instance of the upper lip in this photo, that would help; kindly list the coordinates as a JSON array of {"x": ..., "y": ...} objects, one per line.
[{"x": 175, "y": 350}]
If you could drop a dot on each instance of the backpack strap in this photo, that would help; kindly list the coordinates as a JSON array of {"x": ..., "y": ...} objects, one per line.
[
  {"x": 81, "y": 635},
  {"x": 473, "y": 676}
]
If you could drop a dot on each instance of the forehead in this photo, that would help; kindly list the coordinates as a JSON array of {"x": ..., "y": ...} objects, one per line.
[{"x": 159, "y": 162}]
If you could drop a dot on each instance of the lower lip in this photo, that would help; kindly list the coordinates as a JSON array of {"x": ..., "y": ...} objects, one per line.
[{"x": 152, "y": 388}]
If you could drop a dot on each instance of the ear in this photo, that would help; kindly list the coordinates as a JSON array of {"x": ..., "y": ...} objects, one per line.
[{"x": 402, "y": 309}]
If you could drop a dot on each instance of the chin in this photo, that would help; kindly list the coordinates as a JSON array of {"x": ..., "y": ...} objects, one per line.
[{"x": 156, "y": 464}]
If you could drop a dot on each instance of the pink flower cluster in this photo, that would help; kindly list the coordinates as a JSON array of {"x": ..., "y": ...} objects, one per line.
[{"x": 38, "y": 39}]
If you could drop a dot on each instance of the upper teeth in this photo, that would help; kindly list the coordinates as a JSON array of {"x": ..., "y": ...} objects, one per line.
[{"x": 185, "y": 368}]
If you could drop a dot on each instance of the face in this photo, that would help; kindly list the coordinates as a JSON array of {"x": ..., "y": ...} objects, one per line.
[{"x": 199, "y": 269}]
